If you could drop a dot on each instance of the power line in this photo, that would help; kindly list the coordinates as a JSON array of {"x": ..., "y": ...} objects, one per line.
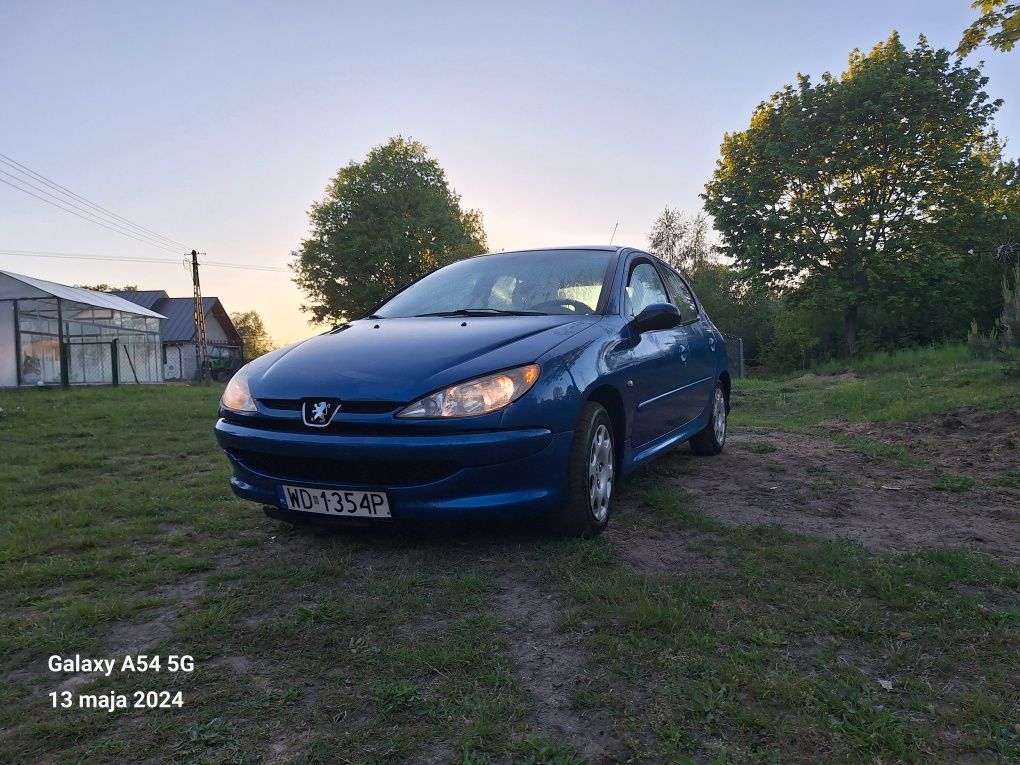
[
  {"x": 68, "y": 256},
  {"x": 90, "y": 220},
  {"x": 93, "y": 218},
  {"x": 133, "y": 259},
  {"x": 215, "y": 264},
  {"x": 24, "y": 170}
]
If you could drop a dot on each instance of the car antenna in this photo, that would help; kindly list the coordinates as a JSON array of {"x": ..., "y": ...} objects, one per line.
[{"x": 614, "y": 232}]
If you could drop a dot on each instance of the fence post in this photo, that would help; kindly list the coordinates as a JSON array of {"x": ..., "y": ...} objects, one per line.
[
  {"x": 743, "y": 371},
  {"x": 115, "y": 361},
  {"x": 65, "y": 360},
  {"x": 65, "y": 377}
]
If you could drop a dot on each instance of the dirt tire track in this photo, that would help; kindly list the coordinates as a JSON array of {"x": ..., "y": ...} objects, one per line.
[
  {"x": 811, "y": 484},
  {"x": 652, "y": 550},
  {"x": 550, "y": 665}
]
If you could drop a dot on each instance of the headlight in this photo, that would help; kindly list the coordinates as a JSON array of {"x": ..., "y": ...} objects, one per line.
[
  {"x": 479, "y": 396},
  {"x": 237, "y": 396}
]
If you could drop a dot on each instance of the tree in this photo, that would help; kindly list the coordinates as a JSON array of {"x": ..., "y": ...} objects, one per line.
[
  {"x": 383, "y": 223},
  {"x": 254, "y": 336},
  {"x": 999, "y": 24},
  {"x": 680, "y": 241},
  {"x": 833, "y": 184},
  {"x": 736, "y": 306},
  {"x": 104, "y": 287}
]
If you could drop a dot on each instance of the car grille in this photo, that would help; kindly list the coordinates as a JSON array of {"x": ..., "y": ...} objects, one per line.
[
  {"x": 350, "y": 407},
  {"x": 314, "y": 469}
]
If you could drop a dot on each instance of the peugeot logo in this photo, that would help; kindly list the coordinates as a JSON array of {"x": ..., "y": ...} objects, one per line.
[{"x": 317, "y": 413}]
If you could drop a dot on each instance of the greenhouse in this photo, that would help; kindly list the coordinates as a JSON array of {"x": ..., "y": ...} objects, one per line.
[{"x": 51, "y": 334}]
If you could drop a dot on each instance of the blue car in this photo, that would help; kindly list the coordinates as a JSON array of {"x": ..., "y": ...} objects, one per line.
[{"x": 518, "y": 384}]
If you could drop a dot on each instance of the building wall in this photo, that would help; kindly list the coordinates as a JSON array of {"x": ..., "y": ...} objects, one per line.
[
  {"x": 176, "y": 355},
  {"x": 213, "y": 331},
  {"x": 8, "y": 348},
  {"x": 186, "y": 368},
  {"x": 180, "y": 357}
]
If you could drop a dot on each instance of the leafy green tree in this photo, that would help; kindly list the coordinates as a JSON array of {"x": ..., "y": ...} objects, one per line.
[
  {"x": 254, "y": 335},
  {"x": 833, "y": 184},
  {"x": 736, "y": 306},
  {"x": 999, "y": 24},
  {"x": 384, "y": 222},
  {"x": 104, "y": 287},
  {"x": 680, "y": 240}
]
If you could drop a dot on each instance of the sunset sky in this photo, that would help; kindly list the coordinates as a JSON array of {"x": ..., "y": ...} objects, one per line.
[{"x": 217, "y": 124}]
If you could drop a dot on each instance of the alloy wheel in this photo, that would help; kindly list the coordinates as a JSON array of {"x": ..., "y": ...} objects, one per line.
[{"x": 600, "y": 473}]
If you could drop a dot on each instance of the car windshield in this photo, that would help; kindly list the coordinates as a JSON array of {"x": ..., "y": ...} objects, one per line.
[{"x": 546, "y": 282}]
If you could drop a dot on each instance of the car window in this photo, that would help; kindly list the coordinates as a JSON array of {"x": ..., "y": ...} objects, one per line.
[
  {"x": 547, "y": 281},
  {"x": 502, "y": 293},
  {"x": 681, "y": 294},
  {"x": 644, "y": 287}
]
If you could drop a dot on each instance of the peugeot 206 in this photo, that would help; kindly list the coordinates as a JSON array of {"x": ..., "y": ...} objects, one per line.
[{"x": 517, "y": 384}]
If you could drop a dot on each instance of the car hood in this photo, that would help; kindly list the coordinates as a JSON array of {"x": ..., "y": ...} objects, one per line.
[{"x": 403, "y": 359}]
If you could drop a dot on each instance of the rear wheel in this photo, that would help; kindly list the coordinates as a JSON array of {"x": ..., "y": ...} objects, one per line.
[
  {"x": 591, "y": 475},
  {"x": 710, "y": 440}
]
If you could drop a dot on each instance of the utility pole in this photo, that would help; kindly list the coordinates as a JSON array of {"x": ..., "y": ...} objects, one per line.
[{"x": 201, "y": 343}]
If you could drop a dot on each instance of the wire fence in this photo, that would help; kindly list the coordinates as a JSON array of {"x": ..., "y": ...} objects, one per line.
[
  {"x": 113, "y": 362},
  {"x": 735, "y": 355}
]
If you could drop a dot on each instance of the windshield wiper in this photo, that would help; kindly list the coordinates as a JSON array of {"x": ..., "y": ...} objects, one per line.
[{"x": 481, "y": 312}]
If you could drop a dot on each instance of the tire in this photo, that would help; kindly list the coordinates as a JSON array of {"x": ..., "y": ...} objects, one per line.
[
  {"x": 712, "y": 438},
  {"x": 591, "y": 475}
]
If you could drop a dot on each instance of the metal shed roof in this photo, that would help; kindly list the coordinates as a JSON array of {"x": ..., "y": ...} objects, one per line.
[
  {"x": 179, "y": 326},
  {"x": 32, "y": 288},
  {"x": 144, "y": 298}
]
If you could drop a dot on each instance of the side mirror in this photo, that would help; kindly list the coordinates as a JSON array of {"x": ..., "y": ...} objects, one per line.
[{"x": 656, "y": 316}]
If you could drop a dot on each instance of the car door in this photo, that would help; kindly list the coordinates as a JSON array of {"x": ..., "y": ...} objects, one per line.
[
  {"x": 698, "y": 338},
  {"x": 659, "y": 359}
]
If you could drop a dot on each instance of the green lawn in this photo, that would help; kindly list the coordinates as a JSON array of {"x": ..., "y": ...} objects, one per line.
[
  {"x": 119, "y": 536},
  {"x": 890, "y": 388}
]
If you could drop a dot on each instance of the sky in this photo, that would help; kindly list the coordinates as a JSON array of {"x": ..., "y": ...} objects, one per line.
[{"x": 217, "y": 124}]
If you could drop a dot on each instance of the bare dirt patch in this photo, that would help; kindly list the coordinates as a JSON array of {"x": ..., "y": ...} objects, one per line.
[
  {"x": 813, "y": 485},
  {"x": 238, "y": 665},
  {"x": 288, "y": 748},
  {"x": 550, "y": 665},
  {"x": 981, "y": 445},
  {"x": 993, "y": 598},
  {"x": 141, "y": 636},
  {"x": 648, "y": 550}
]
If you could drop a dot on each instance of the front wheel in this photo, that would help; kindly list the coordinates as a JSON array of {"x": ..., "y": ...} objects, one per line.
[
  {"x": 710, "y": 440},
  {"x": 591, "y": 475}
]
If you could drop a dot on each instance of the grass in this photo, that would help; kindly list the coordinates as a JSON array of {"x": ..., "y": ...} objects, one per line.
[
  {"x": 877, "y": 449},
  {"x": 119, "y": 535},
  {"x": 784, "y": 654},
  {"x": 957, "y": 483},
  {"x": 890, "y": 388},
  {"x": 932, "y": 358}
]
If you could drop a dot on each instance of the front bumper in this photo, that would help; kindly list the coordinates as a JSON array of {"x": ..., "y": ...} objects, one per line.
[{"x": 486, "y": 475}]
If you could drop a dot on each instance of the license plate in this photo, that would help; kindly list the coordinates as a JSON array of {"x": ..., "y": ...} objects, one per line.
[{"x": 338, "y": 502}]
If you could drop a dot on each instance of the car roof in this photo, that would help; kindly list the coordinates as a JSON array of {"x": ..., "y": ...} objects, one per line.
[{"x": 599, "y": 247}]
